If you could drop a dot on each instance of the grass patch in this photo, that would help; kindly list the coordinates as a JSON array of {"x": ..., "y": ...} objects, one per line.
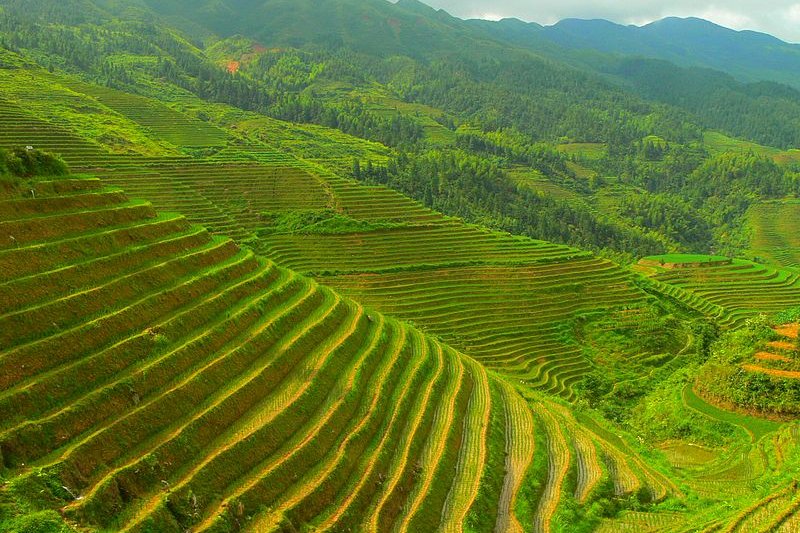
[
  {"x": 41, "y": 522},
  {"x": 686, "y": 259},
  {"x": 718, "y": 143},
  {"x": 590, "y": 151},
  {"x": 755, "y": 427},
  {"x": 326, "y": 222}
]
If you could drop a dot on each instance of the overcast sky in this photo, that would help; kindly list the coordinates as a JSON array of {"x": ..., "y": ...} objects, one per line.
[{"x": 778, "y": 17}]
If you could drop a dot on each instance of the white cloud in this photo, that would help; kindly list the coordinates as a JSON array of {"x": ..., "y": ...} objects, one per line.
[
  {"x": 793, "y": 14},
  {"x": 726, "y": 17},
  {"x": 778, "y": 17},
  {"x": 490, "y": 16}
]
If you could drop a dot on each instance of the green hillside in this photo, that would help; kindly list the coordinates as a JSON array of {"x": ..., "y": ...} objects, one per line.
[
  {"x": 731, "y": 291},
  {"x": 158, "y": 378},
  {"x": 398, "y": 275},
  {"x": 775, "y": 232}
]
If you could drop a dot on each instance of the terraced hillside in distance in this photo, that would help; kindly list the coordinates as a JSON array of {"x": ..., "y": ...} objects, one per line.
[
  {"x": 727, "y": 290},
  {"x": 228, "y": 194},
  {"x": 380, "y": 248},
  {"x": 278, "y": 344},
  {"x": 775, "y": 228},
  {"x": 515, "y": 319},
  {"x": 157, "y": 378},
  {"x": 158, "y": 120}
]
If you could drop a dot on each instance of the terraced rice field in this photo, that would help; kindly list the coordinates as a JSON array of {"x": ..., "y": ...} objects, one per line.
[
  {"x": 777, "y": 512},
  {"x": 373, "y": 203},
  {"x": 639, "y": 522},
  {"x": 732, "y": 292},
  {"x": 779, "y": 358},
  {"x": 49, "y": 98},
  {"x": 736, "y": 475},
  {"x": 632, "y": 343},
  {"x": 580, "y": 460},
  {"x": 717, "y": 143},
  {"x": 776, "y": 232},
  {"x": 169, "y": 380},
  {"x": 21, "y": 128},
  {"x": 154, "y": 376},
  {"x": 283, "y": 387},
  {"x": 230, "y": 198},
  {"x": 536, "y": 181},
  {"x": 756, "y": 428},
  {"x": 156, "y": 118},
  {"x": 223, "y": 374},
  {"x": 228, "y": 193},
  {"x": 425, "y": 116},
  {"x": 766, "y": 514},
  {"x": 231, "y": 193},
  {"x": 738, "y": 471},
  {"x": 513, "y": 319},
  {"x": 584, "y": 150},
  {"x": 412, "y": 246}
]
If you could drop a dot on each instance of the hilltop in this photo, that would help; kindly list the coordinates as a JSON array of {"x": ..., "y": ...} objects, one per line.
[{"x": 691, "y": 42}]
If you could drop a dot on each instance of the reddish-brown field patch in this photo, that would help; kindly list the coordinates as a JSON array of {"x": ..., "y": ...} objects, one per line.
[
  {"x": 773, "y": 372},
  {"x": 766, "y": 356},
  {"x": 782, "y": 345},
  {"x": 788, "y": 330}
]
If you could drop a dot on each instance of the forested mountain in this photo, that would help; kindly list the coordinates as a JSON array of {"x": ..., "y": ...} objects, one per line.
[
  {"x": 691, "y": 64},
  {"x": 747, "y": 55}
]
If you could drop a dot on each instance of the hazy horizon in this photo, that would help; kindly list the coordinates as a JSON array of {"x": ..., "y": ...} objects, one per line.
[{"x": 781, "y": 19}]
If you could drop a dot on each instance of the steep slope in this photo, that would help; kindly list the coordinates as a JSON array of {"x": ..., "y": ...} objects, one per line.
[
  {"x": 379, "y": 248},
  {"x": 748, "y": 56},
  {"x": 156, "y": 379},
  {"x": 179, "y": 323},
  {"x": 727, "y": 290},
  {"x": 686, "y": 63},
  {"x": 706, "y": 93},
  {"x": 485, "y": 103},
  {"x": 167, "y": 379},
  {"x": 373, "y": 26}
]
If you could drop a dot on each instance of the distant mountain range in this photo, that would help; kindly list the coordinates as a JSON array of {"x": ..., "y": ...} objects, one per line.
[
  {"x": 747, "y": 55},
  {"x": 689, "y": 42},
  {"x": 416, "y": 28}
]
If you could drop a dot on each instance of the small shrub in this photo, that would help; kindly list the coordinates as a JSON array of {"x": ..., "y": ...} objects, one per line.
[{"x": 27, "y": 162}]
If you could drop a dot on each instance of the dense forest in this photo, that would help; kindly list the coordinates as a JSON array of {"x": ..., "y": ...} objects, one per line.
[{"x": 478, "y": 190}]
